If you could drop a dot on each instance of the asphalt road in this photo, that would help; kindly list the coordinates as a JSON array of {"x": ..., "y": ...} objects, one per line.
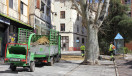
[
  {"x": 68, "y": 67},
  {"x": 63, "y": 68}
]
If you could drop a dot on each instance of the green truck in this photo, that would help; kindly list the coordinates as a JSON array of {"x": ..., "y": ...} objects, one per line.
[{"x": 24, "y": 54}]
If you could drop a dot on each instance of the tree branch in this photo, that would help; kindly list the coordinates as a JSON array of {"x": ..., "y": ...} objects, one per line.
[
  {"x": 77, "y": 6},
  {"x": 98, "y": 11},
  {"x": 103, "y": 13}
]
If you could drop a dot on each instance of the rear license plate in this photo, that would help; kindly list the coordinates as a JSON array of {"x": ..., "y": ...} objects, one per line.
[{"x": 14, "y": 59}]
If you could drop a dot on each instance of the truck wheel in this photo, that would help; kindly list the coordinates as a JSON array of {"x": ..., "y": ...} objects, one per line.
[
  {"x": 13, "y": 67},
  {"x": 32, "y": 67},
  {"x": 58, "y": 58},
  {"x": 51, "y": 61}
]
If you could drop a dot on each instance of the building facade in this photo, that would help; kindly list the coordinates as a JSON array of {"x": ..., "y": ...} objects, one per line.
[
  {"x": 40, "y": 15},
  {"x": 29, "y": 14},
  {"x": 14, "y": 14},
  {"x": 69, "y": 23}
]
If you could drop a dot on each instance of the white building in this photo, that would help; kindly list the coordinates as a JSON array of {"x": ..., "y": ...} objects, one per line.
[{"x": 69, "y": 23}]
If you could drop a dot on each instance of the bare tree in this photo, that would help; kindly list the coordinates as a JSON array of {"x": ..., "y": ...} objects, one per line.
[{"x": 92, "y": 19}]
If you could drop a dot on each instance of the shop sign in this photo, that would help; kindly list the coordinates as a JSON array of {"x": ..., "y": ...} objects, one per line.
[{"x": 4, "y": 20}]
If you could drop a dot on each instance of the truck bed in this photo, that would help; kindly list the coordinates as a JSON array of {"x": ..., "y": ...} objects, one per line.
[{"x": 44, "y": 49}]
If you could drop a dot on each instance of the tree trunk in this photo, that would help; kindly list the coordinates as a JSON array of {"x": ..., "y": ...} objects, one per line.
[{"x": 92, "y": 48}]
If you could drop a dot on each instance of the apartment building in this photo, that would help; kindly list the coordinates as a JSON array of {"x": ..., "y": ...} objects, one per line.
[
  {"x": 30, "y": 14},
  {"x": 69, "y": 23},
  {"x": 40, "y": 15},
  {"x": 14, "y": 14}
]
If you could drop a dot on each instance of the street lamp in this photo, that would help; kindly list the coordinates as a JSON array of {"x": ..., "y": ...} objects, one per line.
[{"x": 54, "y": 13}]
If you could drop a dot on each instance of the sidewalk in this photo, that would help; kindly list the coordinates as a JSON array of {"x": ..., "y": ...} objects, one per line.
[{"x": 105, "y": 69}]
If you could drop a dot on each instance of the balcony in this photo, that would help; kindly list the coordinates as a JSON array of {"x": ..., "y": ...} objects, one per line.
[{"x": 45, "y": 18}]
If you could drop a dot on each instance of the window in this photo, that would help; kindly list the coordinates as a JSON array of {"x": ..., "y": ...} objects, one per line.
[
  {"x": 21, "y": 7},
  {"x": 83, "y": 40},
  {"x": 82, "y": 30},
  {"x": 129, "y": 14},
  {"x": 77, "y": 28},
  {"x": 42, "y": 7},
  {"x": 128, "y": 1},
  {"x": 48, "y": 11},
  {"x": 62, "y": 14},
  {"x": 77, "y": 16},
  {"x": 77, "y": 40},
  {"x": 11, "y": 4},
  {"x": 48, "y": 2},
  {"x": 62, "y": 27}
]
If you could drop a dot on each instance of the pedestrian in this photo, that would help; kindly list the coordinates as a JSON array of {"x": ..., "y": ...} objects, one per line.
[
  {"x": 82, "y": 50},
  {"x": 111, "y": 50}
]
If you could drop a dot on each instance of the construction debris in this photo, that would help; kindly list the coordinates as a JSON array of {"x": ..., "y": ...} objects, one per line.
[{"x": 42, "y": 41}]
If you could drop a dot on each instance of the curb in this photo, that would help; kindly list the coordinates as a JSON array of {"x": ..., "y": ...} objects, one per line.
[{"x": 116, "y": 70}]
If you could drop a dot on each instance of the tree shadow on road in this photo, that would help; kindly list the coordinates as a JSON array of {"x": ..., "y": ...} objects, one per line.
[
  {"x": 15, "y": 72},
  {"x": 129, "y": 63},
  {"x": 68, "y": 61},
  {"x": 63, "y": 63},
  {"x": 9, "y": 71}
]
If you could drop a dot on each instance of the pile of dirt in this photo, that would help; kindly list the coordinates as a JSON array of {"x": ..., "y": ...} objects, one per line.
[
  {"x": 42, "y": 41},
  {"x": 71, "y": 57}
]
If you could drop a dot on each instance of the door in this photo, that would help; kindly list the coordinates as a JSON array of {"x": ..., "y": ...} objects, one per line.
[
  {"x": 64, "y": 43},
  {"x": 0, "y": 42}
]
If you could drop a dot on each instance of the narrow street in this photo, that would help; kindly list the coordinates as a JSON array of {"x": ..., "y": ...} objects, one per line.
[{"x": 66, "y": 67}]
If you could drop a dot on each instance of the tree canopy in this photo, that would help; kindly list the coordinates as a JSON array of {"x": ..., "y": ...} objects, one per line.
[{"x": 117, "y": 21}]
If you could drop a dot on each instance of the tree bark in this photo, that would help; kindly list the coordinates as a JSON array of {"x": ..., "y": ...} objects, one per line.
[{"x": 92, "y": 48}]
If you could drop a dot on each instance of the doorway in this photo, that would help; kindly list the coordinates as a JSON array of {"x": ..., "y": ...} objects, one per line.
[{"x": 64, "y": 43}]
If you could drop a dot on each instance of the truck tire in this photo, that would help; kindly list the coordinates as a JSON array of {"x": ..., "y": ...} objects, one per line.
[
  {"x": 32, "y": 66},
  {"x": 51, "y": 61},
  {"x": 58, "y": 58},
  {"x": 13, "y": 67}
]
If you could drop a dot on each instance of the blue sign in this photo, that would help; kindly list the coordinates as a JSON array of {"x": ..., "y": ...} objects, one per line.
[
  {"x": 4, "y": 20},
  {"x": 118, "y": 36},
  {"x": 77, "y": 41}
]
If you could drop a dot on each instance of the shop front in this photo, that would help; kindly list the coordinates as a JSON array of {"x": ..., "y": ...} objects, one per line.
[
  {"x": 9, "y": 31},
  {"x": 4, "y": 24}
]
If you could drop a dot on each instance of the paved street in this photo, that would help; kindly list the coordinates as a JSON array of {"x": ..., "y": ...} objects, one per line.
[{"x": 64, "y": 68}]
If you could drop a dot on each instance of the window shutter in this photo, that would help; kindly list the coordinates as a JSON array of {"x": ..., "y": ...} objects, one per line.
[{"x": 38, "y": 4}]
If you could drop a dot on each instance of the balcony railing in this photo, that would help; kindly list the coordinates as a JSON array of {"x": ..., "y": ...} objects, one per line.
[{"x": 45, "y": 18}]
